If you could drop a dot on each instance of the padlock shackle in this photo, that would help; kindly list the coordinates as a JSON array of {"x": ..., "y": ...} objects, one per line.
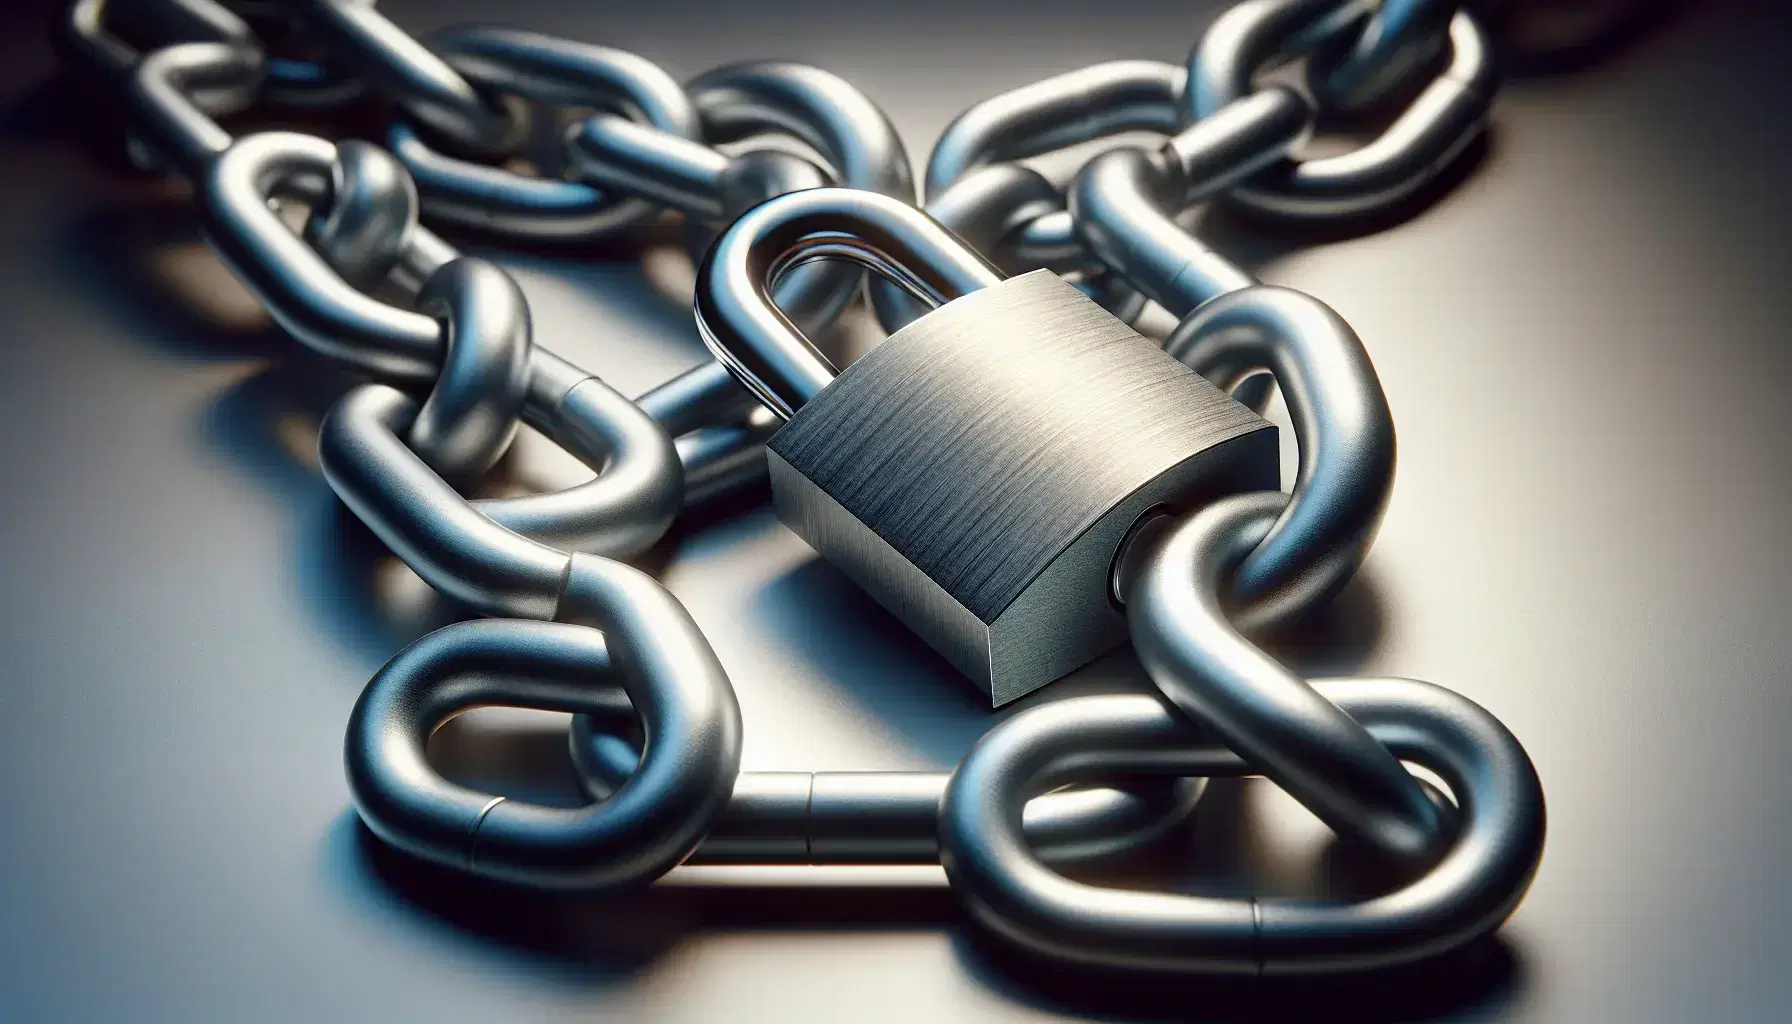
[{"x": 758, "y": 343}]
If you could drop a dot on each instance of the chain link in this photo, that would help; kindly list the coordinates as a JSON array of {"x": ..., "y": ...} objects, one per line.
[
  {"x": 976, "y": 187},
  {"x": 415, "y": 77},
  {"x": 300, "y": 73},
  {"x": 547, "y": 71},
  {"x": 1413, "y": 150},
  {"x": 455, "y": 369},
  {"x": 1007, "y": 887}
]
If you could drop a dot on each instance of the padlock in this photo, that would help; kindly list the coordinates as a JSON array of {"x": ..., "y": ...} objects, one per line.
[{"x": 976, "y": 472}]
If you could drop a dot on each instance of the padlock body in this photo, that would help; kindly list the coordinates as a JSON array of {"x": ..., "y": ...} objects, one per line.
[{"x": 977, "y": 471}]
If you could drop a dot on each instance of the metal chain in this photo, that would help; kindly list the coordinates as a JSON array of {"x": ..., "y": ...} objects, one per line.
[{"x": 657, "y": 731}]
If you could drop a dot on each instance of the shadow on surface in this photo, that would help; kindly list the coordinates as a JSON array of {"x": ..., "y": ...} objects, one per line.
[
  {"x": 1478, "y": 980},
  {"x": 1337, "y": 637},
  {"x": 872, "y": 659},
  {"x": 266, "y": 425},
  {"x": 143, "y": 262},
  {"x": 1545, "y": 38},
  {"x": 592, "y": 940}
]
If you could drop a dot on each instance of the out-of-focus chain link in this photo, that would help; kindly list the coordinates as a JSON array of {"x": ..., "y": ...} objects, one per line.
[{"x": 456, "y": 368}]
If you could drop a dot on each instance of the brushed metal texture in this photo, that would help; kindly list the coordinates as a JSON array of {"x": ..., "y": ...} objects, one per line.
[{"x": 976, "y": 472}]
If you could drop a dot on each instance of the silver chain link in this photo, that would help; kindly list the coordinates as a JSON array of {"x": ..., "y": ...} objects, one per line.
[{"x": 657, "y": 732}]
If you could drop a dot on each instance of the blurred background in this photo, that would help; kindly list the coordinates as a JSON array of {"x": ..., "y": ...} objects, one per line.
[{"x": 1584, "y": 343}]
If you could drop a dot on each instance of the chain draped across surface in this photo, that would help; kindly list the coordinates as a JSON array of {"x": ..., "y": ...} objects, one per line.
[{"x": 657, "y": 732}]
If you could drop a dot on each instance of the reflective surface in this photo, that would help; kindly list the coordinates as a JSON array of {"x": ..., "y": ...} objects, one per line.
[
  {"x": 1434, "y": 129},
  {"x": 470, "y": 416},
  {"x": 1274, "y": 720},
  {"x": 1583, "y": 349},
  {"x": 1343, "y": 427},
  {"x": 425, "y": 85},
  {"x": 651, "y": 823},
  {"x": 1008, "y": 209},
  {"x": 549, "y": 71},
  {"x": 748, "y": 332}
]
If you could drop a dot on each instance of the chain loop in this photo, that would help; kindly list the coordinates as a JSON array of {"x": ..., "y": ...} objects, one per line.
[
  {"x": 371, "y": 216},
  {"x": 1260, "y": 35},
  {"x": 411, "y": 75},
  {"x": 462, "y": 549},
  {"x": 450, "y": 544},
  {"x": 302, "y": 291},
  {"x": 706, "y": 184},
  {"x": 1124, "y": 202},
  {"x": 1398, "y": 40},
  {"x": 471, "y": 413},
  {"x": 1056, "y": 113},
  {"x": 622, "y": 511},
  {"x": 207, "y": 65},
  {"x": 1466, "y": 894},
  {"x": 1425, "y": 139},
  {"x": 697, "y": 180},
  {"x": 815, "y": 107},
  {"x": 833, "y": 119},
  {"x": 551, "y": 71},
  {"x": 1014, "y": 214},
  {"x": 1002, "y": 201},
  {"x": 720, "y": 427},
  {"x": 640, "y": 483},
  {"x": 299, "y": 75},
  {"x": 86, "y": 36},
  {"x": 649, "y": 643},
  {"x": 824, "y": 111},
  {"x": 175, "y": 94},
  {"x": 1275, "y": 721},
  {"x": 1343, "y": 427}
]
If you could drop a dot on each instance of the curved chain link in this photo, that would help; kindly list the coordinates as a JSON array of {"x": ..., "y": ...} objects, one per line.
[
  {"x": 1398, "y": 39},
  {"x": 412, "y": 75},
  {"x": 652, "y": 822},
  {"x": 978, "y": 190},
  {"x": 457, "y": 369},
  {"x": 1466, "y": 894},
  {"x": 199, "y": 61},
  {"x": 1426, "y": 138},
  {"x": 1124, "y": 203},
  {"x": 300, "y": 73},
  {"x": 1342, "y": 425},
  {"x": 304, "y": 294},
  {"x": 1322, "y": 756},
  {"x": 549, "y": 71}
]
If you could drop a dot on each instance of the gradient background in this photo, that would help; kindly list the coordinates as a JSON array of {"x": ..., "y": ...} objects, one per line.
[{"x": 1585, "y": 345}]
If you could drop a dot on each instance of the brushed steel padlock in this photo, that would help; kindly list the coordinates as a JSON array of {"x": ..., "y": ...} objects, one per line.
[{"x": 976, "y": 472}]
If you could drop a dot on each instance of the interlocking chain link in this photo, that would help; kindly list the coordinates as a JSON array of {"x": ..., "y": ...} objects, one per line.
[
  {"x": 455, "y": 368},
  {"x": 1428, "y": 135}
]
